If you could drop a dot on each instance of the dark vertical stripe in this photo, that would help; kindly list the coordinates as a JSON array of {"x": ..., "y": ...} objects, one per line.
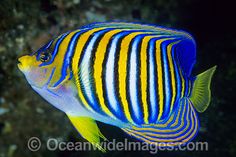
[
  {"x": 116, "y": 80},
  {"x": 137, "y": 120},
  {"x": 150, "y": 111},
  {"x": 152, "y": 56},
  {"x": 118, "y": 114},
  {"x": 95, "y": 106},
  {"x": 139, "y": 79}
]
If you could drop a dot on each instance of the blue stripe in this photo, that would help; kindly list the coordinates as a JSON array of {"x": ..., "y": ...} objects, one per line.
[
  {"x": 53, "y": 70},
  {"x": 55, "y": 51},
  {"x": 178, "y": 93},
  {"x": 186, "y": 85}
]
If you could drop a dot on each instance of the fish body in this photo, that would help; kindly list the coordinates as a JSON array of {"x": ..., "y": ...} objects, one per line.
[{"x": 134, "y": 76}]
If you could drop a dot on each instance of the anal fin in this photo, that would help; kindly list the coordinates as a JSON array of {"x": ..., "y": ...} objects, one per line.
[{"x": 178, "y": 130}]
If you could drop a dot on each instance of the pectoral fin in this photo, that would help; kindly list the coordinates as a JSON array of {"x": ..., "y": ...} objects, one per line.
[{"x": 88, "y": 129}]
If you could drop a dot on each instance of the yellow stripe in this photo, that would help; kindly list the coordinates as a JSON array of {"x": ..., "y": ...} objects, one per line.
[
  {"x": 99, "y": 58},
  {"x": 170, "y": 119},
  {"x": 183, "y": 106},
  {"x": 122, "y": 70},
  {"x": 159, "y": 76},
  {"x": 154, "y": 136},
  {"x": 171, "y": 127},
  {"x": 182, "y": 80},
  {"x": 79, "y": 48},
  {"x": 173, "y": 83},
  {"x": 181, "y": 139},
  {"x": 143, "y": 76},
  {"x": 58, "y": 61},
  {"x": 189, "y": 87}
]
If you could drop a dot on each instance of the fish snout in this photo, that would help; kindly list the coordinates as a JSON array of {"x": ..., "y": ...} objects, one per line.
[{"x": 25, "y": 62}]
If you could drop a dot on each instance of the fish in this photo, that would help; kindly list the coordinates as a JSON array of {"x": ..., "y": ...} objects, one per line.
[{"x": 137, "y": 77}]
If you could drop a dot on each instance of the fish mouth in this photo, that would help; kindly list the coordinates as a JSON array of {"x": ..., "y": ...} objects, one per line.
[{"x": 20, "y": 66}]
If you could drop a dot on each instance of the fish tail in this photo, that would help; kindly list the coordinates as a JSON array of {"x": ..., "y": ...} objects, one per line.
[
  {"x": 201, "y": 92},
  {"x": 181, "y": 127}
]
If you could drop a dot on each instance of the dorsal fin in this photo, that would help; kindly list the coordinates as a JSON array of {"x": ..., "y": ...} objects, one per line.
[
  {"x": 141, "y": 26},
  {"x": 186, "y": 55},
  {"x": 185, "y": 50}
]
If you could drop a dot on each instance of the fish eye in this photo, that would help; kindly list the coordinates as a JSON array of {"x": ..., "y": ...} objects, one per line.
[{"x": 45, "y": 56}]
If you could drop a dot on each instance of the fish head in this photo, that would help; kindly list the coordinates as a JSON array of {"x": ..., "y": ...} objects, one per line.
[
  {"x": 43, "y": 70},
  {"x": 37, "y": 66}
]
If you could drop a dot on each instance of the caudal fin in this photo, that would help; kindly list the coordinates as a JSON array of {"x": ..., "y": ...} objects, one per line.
[{"x": 201, "y": 92}]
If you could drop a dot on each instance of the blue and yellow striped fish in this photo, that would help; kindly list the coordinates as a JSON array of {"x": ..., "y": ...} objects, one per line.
[{"x": 133, "y": 76}]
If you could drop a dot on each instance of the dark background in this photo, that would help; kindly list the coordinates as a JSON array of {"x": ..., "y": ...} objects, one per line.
[{"x": 26, "y": 25}]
